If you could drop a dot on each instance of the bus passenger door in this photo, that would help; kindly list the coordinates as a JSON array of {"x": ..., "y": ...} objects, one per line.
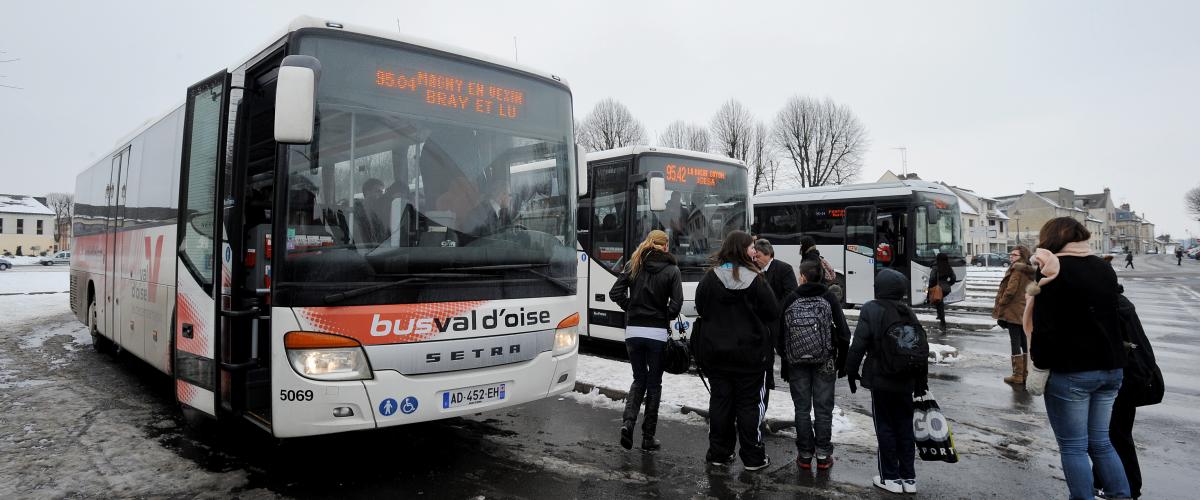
[
  {"x": 195, "y": 333},
  {"x": 860, "y": 254},
  {"x": 611, "y": 218}
]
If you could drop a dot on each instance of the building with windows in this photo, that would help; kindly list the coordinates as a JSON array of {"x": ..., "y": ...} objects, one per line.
[
  {"x": 984, "y": 227},
  {"x": 1030, "y": 210},
  {"x": 26, "y": 226}
]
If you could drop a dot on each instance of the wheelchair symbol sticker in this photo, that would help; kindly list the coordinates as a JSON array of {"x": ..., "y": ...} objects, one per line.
[{"x": 408, "y": 405}]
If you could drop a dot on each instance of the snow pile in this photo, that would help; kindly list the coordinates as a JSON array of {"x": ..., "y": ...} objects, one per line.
[
  {"x": 678, "y": 391},
  {"x": 56, "y": 280},
  {"x": 941, "y": 353}
]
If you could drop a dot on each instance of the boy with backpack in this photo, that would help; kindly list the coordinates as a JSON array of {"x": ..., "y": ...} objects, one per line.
[
  {"x": 896, "y": 369},
  {"x": 813, "y": 341}
]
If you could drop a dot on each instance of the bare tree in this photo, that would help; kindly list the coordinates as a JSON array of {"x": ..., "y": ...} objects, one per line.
[
  {"x": 1191, "y": 201},
  {"x": 762, "y": 158},
  {"x": 610, "y": 125},
  {"x": 684, "y": 136},
  {"x": 733, "y": 130},
  {"x": 824, "y": 141},
  {"x": 63, "y": 205}
]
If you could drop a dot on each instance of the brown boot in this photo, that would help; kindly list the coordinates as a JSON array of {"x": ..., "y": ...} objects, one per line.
[{"x": 1018, "y": 368}]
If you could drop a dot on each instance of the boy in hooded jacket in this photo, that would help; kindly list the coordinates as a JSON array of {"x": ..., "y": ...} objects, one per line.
[
  {"x": 891, "y": 397},
  {"x": 734, "y": 346}
]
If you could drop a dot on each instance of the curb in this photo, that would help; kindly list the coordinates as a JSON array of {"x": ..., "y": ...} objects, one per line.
[{"x": 772, "y": 425}]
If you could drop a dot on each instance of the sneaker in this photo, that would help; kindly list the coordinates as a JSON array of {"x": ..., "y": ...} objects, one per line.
[
  {"x": 804, "y": 462},
  {"x": 721, "y": 461},
  {"x": 765, "y": 463},
  {"x": 824, "y": 461},
  {"x": 910, "y": 485},
  {"x": 889, "y": 485}
]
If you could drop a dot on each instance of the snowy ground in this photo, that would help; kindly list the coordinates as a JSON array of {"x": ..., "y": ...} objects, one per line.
[{"x": 64, "y": 431}]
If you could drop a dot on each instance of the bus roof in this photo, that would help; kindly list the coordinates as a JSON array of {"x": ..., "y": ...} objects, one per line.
[
  {"x": 639, "y": 150},
  {"x": 303, "y": 22},
  {"x": 851, "y": 192}
]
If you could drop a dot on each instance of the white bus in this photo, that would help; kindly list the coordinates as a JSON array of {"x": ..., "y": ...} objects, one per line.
[
  {"x": 697, "y": 198},
  {"x": 905, "y": 224},
  {"x": 332, "y": 236}
]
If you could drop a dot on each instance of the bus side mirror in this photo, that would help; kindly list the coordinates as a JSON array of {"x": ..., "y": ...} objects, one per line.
[
  {"x": 581, "y": 173},
  {"x": 658, "y": 191},
  {"x": 296, "y": 99},
  {"x": 932, "y": 215}
]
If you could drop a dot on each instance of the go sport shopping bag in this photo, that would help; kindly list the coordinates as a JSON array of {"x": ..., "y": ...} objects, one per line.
[{"x": 931, "y": 430}]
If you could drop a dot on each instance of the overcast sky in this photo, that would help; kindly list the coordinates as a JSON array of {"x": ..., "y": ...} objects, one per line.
[{"x": 993, "y": 96}]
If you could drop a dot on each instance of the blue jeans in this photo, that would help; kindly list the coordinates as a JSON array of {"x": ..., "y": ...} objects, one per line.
[
  {"x": 646, "y": 358},
  {"x": 812, "y": 387},
  {"x": 1079, "y": 405}
]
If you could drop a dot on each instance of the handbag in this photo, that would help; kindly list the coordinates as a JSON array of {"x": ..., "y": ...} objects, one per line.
[
  {"x": 931, "y": 431},
  {"x": 934, "y": 294},
  {"x": 678, "y": 355}
]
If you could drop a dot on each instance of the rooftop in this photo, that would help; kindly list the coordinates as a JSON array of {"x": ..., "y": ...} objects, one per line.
[{"x": 21, "y": 204}]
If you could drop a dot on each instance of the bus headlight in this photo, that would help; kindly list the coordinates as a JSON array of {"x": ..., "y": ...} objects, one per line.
[
  {"x": 566, "y": 336},
  {"x": 324, "y": 356}
]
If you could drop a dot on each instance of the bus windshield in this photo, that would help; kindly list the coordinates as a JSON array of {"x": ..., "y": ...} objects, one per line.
[
  {"x": 452, "y": 175},
  {"x": 706, "y": 201},
  {"x": 936, "y": 226}
]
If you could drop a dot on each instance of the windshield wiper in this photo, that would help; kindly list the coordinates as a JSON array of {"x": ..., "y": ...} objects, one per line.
[
  {"x": 410, "y": 278},
  {"x": 529, "y": 268},
  {"x": 358, "y": 292}
]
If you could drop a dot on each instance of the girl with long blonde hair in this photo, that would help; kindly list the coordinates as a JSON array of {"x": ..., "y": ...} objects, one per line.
[{"x": 650, "y": 291}]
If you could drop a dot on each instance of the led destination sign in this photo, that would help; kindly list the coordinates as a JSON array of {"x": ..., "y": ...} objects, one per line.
[
  {"x": 452, "y": 92},
  {"x": 702, "y": 176}
]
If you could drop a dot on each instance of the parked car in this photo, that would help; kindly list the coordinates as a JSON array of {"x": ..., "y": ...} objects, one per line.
[
  {"x": 5, "y": 264},
  {"x": 63, "y": 257},
  {"x": 990, "y": 260}
]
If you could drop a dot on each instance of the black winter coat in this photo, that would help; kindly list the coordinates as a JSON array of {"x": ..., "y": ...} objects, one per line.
[
  {"x": 890, "y": 286},
  {"x": 655, "y": 296},
  {"x": 1076, "y": 326},
  {"x": 733, "y": 334},
  {"x": 782, "y": 278},
  {"x": 840, "y": 330}
]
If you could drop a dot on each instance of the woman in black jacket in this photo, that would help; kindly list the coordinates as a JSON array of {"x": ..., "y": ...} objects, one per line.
[
  {"x": 942, "y": 276},
  {"x": 1071, "y": 316},
  {"x": 734, "y": 347},
  {"x": 650, "y": 291}
]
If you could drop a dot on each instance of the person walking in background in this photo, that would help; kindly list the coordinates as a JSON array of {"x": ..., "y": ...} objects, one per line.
[
  {"x": 782, "y": 279},
  {"x": 1129, "y": 261},
  {"x": 650, "y": 291},
  {"x": 942, "y": 276},
  {"x": 813, "y": 341},
  {"x": 893, "y": 384},
  {"x": 734, "y": 348},
  {"x": 1071, "y": 314},
  {"x": 1179, "y": 256},
  {"x": 1010, "y": 306}
]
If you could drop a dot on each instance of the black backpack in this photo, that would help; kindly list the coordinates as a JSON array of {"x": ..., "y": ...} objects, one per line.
[
  {"x": 1143, "y": 384},
  {"x": 903, "y": 346}
]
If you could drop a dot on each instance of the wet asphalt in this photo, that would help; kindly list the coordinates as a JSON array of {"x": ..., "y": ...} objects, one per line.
[{"x": 559, "y": 448}]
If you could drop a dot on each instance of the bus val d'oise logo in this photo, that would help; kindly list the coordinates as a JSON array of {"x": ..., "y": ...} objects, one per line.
[{"x": 150, "y": 272}]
